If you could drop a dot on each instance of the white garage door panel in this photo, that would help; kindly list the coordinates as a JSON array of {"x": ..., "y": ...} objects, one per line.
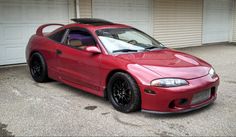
[
  {"x": 13, "y": 34},
  {"x": 33, "y": 11},
  {"x": 13, "y": 42},
  {"x": 136, "y": 13},
  {"x": 20, "y": 19},
  {"x": 217, "y": 20}
]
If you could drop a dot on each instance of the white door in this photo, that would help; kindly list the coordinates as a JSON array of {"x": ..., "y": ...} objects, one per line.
[
  {"x": 19, "y": 19},
  {"x": 217, "y": 16},
  {"x": 137, "y": 13}
]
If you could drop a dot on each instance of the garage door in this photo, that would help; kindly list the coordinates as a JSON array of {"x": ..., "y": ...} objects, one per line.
[
  {"x": 19, "y": 20},
  {"x": 217, "y": 20},
  {"x": 178, "y": 23},
  {"x": 132, "y": 12}
]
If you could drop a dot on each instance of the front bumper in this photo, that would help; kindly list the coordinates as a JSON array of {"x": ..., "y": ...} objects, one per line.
[
  {"x": 178, "y": 99},
  {"x": 182, "y": 111}
]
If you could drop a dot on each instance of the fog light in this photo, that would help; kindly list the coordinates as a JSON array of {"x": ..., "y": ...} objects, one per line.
[{"x": 183, "y": 101}]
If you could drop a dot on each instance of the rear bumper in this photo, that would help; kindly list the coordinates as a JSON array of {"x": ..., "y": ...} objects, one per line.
[{"x": 179, "y": 99}]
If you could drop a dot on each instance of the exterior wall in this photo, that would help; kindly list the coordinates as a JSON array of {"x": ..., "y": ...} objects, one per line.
[
  {"x": 178, "y": 23},
  {"x": 85, "y": 8},
  {"x": 136, "y": 13},
  {"x": 234, "y": 22}
]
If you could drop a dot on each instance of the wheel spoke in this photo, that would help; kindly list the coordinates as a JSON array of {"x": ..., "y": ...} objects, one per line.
[{"x": 121, "y": 92}]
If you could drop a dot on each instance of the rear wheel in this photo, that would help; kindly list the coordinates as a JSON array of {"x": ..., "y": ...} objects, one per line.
[
  {"x": 38, "y": 68},
  {"x": 123, "y": 93}
]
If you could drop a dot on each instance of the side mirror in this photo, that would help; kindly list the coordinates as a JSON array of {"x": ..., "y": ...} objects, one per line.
[{"x": 93, "y": 49}]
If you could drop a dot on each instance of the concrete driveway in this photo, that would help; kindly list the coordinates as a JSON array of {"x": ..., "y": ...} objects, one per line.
[{"x": 31, "y": 109}]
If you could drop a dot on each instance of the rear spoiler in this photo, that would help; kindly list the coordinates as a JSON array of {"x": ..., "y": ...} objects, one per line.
[{"x": 40, "y": 29}]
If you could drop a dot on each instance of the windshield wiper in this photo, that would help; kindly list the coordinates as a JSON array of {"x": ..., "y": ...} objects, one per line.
[
  {"x": 125, "y": 50},
  {"x": 153, "y": 47}
]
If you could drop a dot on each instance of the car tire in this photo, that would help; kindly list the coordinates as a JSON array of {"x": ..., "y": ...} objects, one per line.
[
  {"x": 38, "y": 68},
  {"x": 123, "y": 93}
]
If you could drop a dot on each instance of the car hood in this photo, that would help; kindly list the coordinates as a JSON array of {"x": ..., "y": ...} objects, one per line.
[{"x": 170, "y": 63}]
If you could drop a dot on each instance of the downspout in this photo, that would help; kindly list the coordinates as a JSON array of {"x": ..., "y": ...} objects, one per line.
[
  {"x": 77, "y": 12},
  {"x": 233, "y": 12}
]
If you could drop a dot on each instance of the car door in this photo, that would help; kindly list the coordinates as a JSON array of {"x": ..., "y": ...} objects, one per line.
[
  {"x": 53, "y": 42},
  {"x": 75, "y": 65}
]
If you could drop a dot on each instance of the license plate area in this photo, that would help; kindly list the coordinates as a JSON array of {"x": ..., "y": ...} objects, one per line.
[{"x": 201, "y": 96}]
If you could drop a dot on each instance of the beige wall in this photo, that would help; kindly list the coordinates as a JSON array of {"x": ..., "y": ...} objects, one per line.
[
  {"x": 85, "y": 8},
  {"x": 178, "y": 23}
]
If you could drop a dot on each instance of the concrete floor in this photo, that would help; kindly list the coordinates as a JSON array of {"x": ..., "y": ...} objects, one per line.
[{"x": 28, "y": 108}]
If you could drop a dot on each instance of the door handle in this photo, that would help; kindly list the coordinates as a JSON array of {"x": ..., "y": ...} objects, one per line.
[{"x": 58, "y": 52}]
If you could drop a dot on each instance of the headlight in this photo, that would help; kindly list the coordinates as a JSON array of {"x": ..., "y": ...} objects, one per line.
[
  {"x": 169, "y": 82},
  {"x": 212, "y": 73}
]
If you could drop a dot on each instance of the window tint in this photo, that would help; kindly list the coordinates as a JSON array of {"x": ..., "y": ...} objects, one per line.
[
  {"x": 80, "y": 39},
  {"x": 58, "y": 36}
]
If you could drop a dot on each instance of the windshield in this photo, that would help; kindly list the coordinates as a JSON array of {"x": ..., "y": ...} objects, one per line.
[{"x": 120, "y": 40}]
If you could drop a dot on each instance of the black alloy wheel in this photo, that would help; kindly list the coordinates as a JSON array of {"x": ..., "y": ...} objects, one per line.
[
  {"x": 121, "y": 92},
  {"x": 124, "y": 93}
]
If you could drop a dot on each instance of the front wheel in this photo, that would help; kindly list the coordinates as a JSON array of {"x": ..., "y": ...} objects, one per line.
[{"x": 123, "y": 93}]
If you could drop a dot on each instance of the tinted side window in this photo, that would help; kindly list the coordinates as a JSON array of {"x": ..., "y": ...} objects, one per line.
[
  {"x": 80, "y": 38},
  {"x": 58, "y": 36}
]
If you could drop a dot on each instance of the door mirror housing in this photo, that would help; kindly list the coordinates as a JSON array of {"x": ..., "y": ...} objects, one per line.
[{"x": 93, "y": 49}]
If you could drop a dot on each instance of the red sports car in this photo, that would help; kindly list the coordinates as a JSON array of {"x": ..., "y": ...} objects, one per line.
[{"x": 130, "y": 68}]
